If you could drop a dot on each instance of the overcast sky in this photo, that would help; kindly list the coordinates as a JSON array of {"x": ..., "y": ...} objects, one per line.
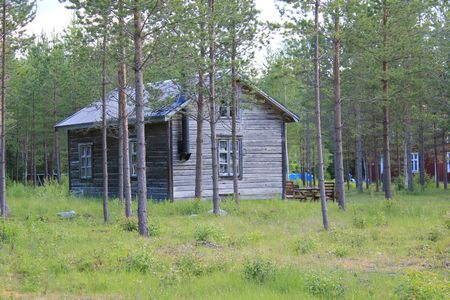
[{"x": 53, "y": 17}]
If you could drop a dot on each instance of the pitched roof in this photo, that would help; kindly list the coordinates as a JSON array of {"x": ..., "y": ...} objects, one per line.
[{"x": 167, "y": 100}]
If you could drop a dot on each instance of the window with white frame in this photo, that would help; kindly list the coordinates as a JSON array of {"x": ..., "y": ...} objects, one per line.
[
  {"x": 415, "y": 162},
  {"x": 85, "y": 152},
  {"x": 133, "y": 158},
  {"x": 225, "y": 157},
  {"x": 226, "y": 111}
]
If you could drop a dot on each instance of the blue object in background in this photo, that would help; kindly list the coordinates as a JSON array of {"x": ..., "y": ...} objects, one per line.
[{"x": 294, "y": 176}]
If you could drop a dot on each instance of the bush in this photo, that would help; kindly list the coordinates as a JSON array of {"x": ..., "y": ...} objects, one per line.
[
  {"x": 321, "y": 285},
  {"x": 340, "y": 251},
  {"x": 190, "y": 265},
  {"x": 206, "y": 233},
  {"x": 359, "y": 222},
  {"x": 423, "y": 285},
  {"x": 305, "y": 246},
  {"x": 435, "y": 234},
  {"x": 130, "y": 224},
  {"x": 258, "y": 270},
  {"x": 8, "y": 233},
  {"x": 140, "y": 261}
]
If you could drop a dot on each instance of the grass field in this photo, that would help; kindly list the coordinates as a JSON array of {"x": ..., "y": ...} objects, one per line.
[{"x": 266, "y": 250}]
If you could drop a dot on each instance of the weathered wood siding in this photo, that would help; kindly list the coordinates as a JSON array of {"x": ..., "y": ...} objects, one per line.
[
  {"x": 157, "y": 162},
  {"x": 260, "y": 129}
]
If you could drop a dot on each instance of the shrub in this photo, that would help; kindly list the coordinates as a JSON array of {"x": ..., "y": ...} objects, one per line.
[
  {"x": 207, "y": 233},
  {"x": 321, "y": 285},
  {"x": 154, "y": 228},
  {"x": 379, "y": 218},
  {"x": 359, "y": 222},
  {"x": 305, "y": 246},
  {"x": 8, "y": 233},
  {"x": 258, "y": 270},
  {"x": 140, "y": 261},
  {"x": 340, "y": 251},
  {"x": 190, "y": 265},
  {"x": 130, "y": 224},
  {"x": 435, "y": 234},
  {"x": 423, "y": 285}
]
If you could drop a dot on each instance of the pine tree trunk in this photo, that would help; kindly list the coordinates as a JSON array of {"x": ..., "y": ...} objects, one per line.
[
  {"x": 234, "y": 99},
  {"x": 57, "y": 157},
  {"x": 421, "y": 150},
  {"x": 435, "y": 148},
  {"x": 386, "y": 146},
  {"x": 212, "y": 106},
  {"x": 377, "y": 168},
  {"x": 104, "y": 135},
  {"x": 444, "y": 160},
  {"x": 3, "y": 206},
  {"x": 124, "y": 124},
  {"x": 408, "y": 161},
  {"x": 45, "y": 162},
  {"x": 308, "y": 148},
  {"x": 323, "y": 199},
  {"x": 199, "y": 139},
  {"x": 338, "y": 153},
  {"x": 140, "y": 124},
  {"x": 359, "y": 184},
  {"x": 405, "y": 162},
  {"x": 124, "y": 115}
]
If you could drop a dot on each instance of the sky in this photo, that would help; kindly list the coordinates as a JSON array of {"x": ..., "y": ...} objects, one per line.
[{"x": 52, "y": 17}]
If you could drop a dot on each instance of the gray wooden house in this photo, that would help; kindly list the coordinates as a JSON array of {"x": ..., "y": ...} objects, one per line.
[{"x": 170, "y": 145}]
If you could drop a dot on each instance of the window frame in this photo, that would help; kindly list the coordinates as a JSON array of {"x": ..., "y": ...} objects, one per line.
[
  {"x": 84, "y": 175},
  {"x": 415, "y": 162},
  {"x": 131, "y": 153},
  {"x": 229, "y": 161}
]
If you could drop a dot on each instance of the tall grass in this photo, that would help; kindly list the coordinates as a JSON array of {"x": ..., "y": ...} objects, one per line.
[{"x": 265, "y": 250}]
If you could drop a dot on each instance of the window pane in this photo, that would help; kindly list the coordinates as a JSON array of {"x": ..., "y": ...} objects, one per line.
[
  {"x": 223, "y": 145},
  {"x": 223, "y": 169}
]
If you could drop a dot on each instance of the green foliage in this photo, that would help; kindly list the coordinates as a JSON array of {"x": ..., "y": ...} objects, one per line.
[
  {"x": 425, "y": 285},
  {"x": 130, "y": 224},
  {"x": 190, "y": 265},
  {"x": 360, "y": 221},
  {"x": 305, "y": 246},
  {"x": 324, "y": 286},
  {"x": 48, "y": 255},
  {"x": 259, "y": 270},
  {"x": 208, "y": 233},
  {"x": 8, "y": 232},
  {"x": 139, "y": 260}
]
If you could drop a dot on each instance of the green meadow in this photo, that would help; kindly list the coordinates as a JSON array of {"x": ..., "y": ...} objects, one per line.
[{"x": 265, "y": 250}]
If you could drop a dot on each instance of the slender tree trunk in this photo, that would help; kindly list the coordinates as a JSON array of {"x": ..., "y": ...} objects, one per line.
[
  {"x": 421, "y": 150},
  {"x": 124, "y": 115},
  {"x": 318, "y": 122},
  {"x": 199, "y": 139},
  {"x": 435, "y": 148},
  {"x": 234, "y": 111},
  {"x": 386, "y": 146},
  {"x": 377, "y": 168},
  {"x": 338, "y": 153},
  {"x": 308, "y": 148},
  {"x": 33, "y": 143},
  {"x": 358, "y": 164},
  {"x": 405, "y": 162},
  {"x": 408, "y": 161},
  {"x": 104, "y": 135},
  {"x": 444, "y": 160},
  {"x": 3, "y": 206},
  {"x": 17, "y": 166},
  {"x": 45, "y": 162},
  {"x": 57, "y": 156},
  {"x": 140, "y": 124},
  {"x": 212, "y": 105}
]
